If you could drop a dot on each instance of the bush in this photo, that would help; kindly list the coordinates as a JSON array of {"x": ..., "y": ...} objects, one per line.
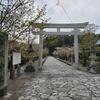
[
  {"x": 98, "y": 68},
  {"x": 30, "y": 69},
  {"x": 98, "y": 59}
]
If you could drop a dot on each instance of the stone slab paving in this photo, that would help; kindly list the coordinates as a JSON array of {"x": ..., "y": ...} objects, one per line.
[{"x": 59, "y": 81}]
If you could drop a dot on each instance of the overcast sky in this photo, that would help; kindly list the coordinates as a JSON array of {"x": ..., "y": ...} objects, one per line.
[{"x": 78, "y": 11}]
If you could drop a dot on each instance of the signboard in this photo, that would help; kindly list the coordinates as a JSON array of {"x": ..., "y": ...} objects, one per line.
[{"x": 16, "y": 58}]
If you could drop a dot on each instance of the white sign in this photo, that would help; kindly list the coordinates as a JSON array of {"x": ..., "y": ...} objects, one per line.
[{"x": 16, "y": 58}]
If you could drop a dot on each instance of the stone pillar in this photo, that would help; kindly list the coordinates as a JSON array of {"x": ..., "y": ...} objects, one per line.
[
  {"x": 6, "y": 63},
  {"x": 40, "y": 50},
  {"x": 3, "y": 65},
  {"x": 92, "y": 67},
  {"x": 76, "y": 49}
]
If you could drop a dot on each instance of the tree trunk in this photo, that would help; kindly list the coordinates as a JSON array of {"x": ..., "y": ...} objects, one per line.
[{"x": 12, "y": 70}]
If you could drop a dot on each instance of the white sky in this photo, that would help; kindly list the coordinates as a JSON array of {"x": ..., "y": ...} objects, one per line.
[{"x": 78, "y": 11}]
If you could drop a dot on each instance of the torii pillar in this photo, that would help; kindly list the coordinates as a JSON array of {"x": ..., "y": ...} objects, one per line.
[
  {"x": 76, "y": 48},
  {"x": 40, "y": 50}
]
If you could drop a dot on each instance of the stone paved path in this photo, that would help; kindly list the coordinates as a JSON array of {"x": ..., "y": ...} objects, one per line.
[{"x": 59, "y": 81}]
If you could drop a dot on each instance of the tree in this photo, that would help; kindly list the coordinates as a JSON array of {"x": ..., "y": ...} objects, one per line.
[
  {"x": 64, "y": 53},
  {"x": 51, "y": 43},
  {"x": 85, "y": 43},
  {"x": 69, "y": 40},
  {"x": 14, "y": 17},
  {"x": 15, "y": 20}
]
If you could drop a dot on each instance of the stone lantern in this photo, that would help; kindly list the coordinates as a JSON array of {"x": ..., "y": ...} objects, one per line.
[
  {"x": 92, "y": 57},
  {"x": 30, "y": 49},
  {"x": 30, "y": 66}
]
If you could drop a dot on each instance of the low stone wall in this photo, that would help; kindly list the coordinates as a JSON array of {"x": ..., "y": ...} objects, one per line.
[{"x": 64, "y": 61}]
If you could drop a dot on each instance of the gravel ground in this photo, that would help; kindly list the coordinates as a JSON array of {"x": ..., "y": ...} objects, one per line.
[
  {"x": 15, "y": 85},
  {"x": 59, "y": 81}
]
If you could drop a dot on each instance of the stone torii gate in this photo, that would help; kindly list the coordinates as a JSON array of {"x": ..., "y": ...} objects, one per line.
[{"x": 76, "y": 31}]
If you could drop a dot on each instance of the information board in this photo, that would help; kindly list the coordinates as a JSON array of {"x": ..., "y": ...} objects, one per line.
[{"x": 16, "y": 58}]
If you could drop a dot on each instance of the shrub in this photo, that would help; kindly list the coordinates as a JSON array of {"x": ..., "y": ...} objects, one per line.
[
  {"x": 98, "y": 59},
  {"x": 98, "y": 68}
]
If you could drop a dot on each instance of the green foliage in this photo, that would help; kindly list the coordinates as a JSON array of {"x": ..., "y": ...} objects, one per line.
[
  {"x": 57, "y": 41},
  {"x": 25, "y": 55},
  {"x": 98, "y": 68},
  {"x": 23, "y": 50},
  {"x": 98, "y": 59},
  {"x": 69, "y": 40},
  {"x": 51, "y": 42},
  {"x": 84, "y": 56},
  {"x": 85, "y": 43},
  {"x": 45, "y": 52},
  {"x": 2, "y": 33}
]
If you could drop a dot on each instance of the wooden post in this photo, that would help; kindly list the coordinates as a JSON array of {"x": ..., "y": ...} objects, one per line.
[{"x": 18, "y": 70}]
